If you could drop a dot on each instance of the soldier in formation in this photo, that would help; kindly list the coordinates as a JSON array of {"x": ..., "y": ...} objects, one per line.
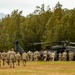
[
  {"x": 12, "y": 58},
  {"x": 24, "y": 58},
  {"x": 8, "y": 57},
  {"x": 45, "y": 55},
  {"x": 71, "y": 55},
  {"x": 52, "y": 56},
  {"x": 3, "y": 56},
  {"x": 36, "y": 55},
  {"x": 64, "y": 56},
  {"x": 18, "y": 58},
  {"x": 60, "y": 56},
  {"x": 30, "y": 55}
]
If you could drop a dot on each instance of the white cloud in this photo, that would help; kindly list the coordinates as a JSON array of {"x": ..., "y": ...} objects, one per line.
[{"x": 28, "y": 6}]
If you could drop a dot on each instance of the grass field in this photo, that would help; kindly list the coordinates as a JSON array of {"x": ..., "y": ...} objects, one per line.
[{"x": 40, "y": 68}]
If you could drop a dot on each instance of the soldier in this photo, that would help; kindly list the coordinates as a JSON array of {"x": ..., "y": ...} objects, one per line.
[
  {"x": 8, "y": 59},
  {"x": 3, "y": 56},
  {"x": 36, "y": 55},
  {"x": 24, "y": 58},
  {"x": 12, "y": 58},
  {"x": 71, "y": 55},
  {"x": 30, "y": 56},
  {"x": 45, "y": 55},
  {"x": 18, "y": 58},
  {"x": 60, "y": 56},
  {"x": 52, "y": 56},
  {"x": 64, "y": 56}
]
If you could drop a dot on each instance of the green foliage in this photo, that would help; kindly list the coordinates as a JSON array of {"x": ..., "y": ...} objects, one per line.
[{"x": 43, "y": 25}]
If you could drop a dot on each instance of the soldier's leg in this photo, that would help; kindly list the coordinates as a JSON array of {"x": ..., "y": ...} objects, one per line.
[
  {"x": 28, "y": 58},
  {"x": 10, "y": 63},
  {"x": 44, "y": 58},
  {"x": 53, "y": 58},
  {"x": 31, "y": 58},
  {"x": 59, "y": 58},
  {"x": 13, "y": 63},
  {"x": 69, "y": 59},
  {"x": 65, "y": 59},
  {"x": 62, "y": 58},
  {"x": 18, "y": 62},
  {"x": 23, "y": 62},
  {"x": 37, "y": 58},
  {"x": 34, "y": 59},
  {"x": 3, "y": 62}
]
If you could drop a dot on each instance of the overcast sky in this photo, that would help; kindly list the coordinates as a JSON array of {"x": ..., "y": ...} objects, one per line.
[{"x": 28, "y": 6}]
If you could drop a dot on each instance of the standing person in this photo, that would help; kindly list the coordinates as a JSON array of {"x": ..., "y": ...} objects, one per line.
[
  {"x": 64, "y": 56},
  {"x": 36, "y": 55},
  {"x": 8, "y": 59},
  {"x": 71, "y": 55},
  {"x": 18, "y": 58},
  {"x": 24, "y": 58},
  {"x": 53, "y": 56},
  {"x": 12, "y": 58},
  {"x": 3, "y": 56},
  {"x": 30, "y": 55},
  {"x": 60, "y": 56},
  {"x": 45, "y": 55}
]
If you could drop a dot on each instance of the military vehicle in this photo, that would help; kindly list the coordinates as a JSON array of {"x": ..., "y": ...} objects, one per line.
[
  {"x": 18, "y": 47},
  {"x": 58, "y": 47}
]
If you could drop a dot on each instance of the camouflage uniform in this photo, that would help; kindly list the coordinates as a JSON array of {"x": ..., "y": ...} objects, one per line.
[
  {"x": 30, "y": 56},
  {"x": 24, "y": 58},
  {"x": 52, "y": 56},
  {"x": 3, "y": 56},
  {"x": 36, "y": 55},
  {"x": 18, "y": 58},
  {"x": 71, "y": 55},
  {"x": 64, "y": 56},
  {"x": 12, "y": 58},
  {"x": 60, "y": 56},
  {"x": 45, "y": 55},
  {"x": 8, "y": 55}
]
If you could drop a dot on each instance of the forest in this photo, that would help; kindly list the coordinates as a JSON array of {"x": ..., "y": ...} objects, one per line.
[{"x": 42, "y": 25}]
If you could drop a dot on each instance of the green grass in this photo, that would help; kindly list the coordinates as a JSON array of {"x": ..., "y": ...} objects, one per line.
[{"x": 41, "y": 68}]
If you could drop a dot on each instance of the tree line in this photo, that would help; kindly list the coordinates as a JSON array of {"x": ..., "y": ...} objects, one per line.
[{"x": 42, "y": 25}]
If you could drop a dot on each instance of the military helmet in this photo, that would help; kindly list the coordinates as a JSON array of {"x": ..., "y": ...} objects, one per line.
[{"x": 12, "y": 49}]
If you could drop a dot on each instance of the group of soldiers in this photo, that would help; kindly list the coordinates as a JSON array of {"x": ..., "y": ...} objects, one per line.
[
  {"x": 51, "y": 55},
  {"x": 36, "y": 55},
  {"x": 66, "y": 56},
  {"x": 12, "y": 57}
]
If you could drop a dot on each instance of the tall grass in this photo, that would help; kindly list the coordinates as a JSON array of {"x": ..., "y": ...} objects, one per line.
[{"x": 40, "y": 68}]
